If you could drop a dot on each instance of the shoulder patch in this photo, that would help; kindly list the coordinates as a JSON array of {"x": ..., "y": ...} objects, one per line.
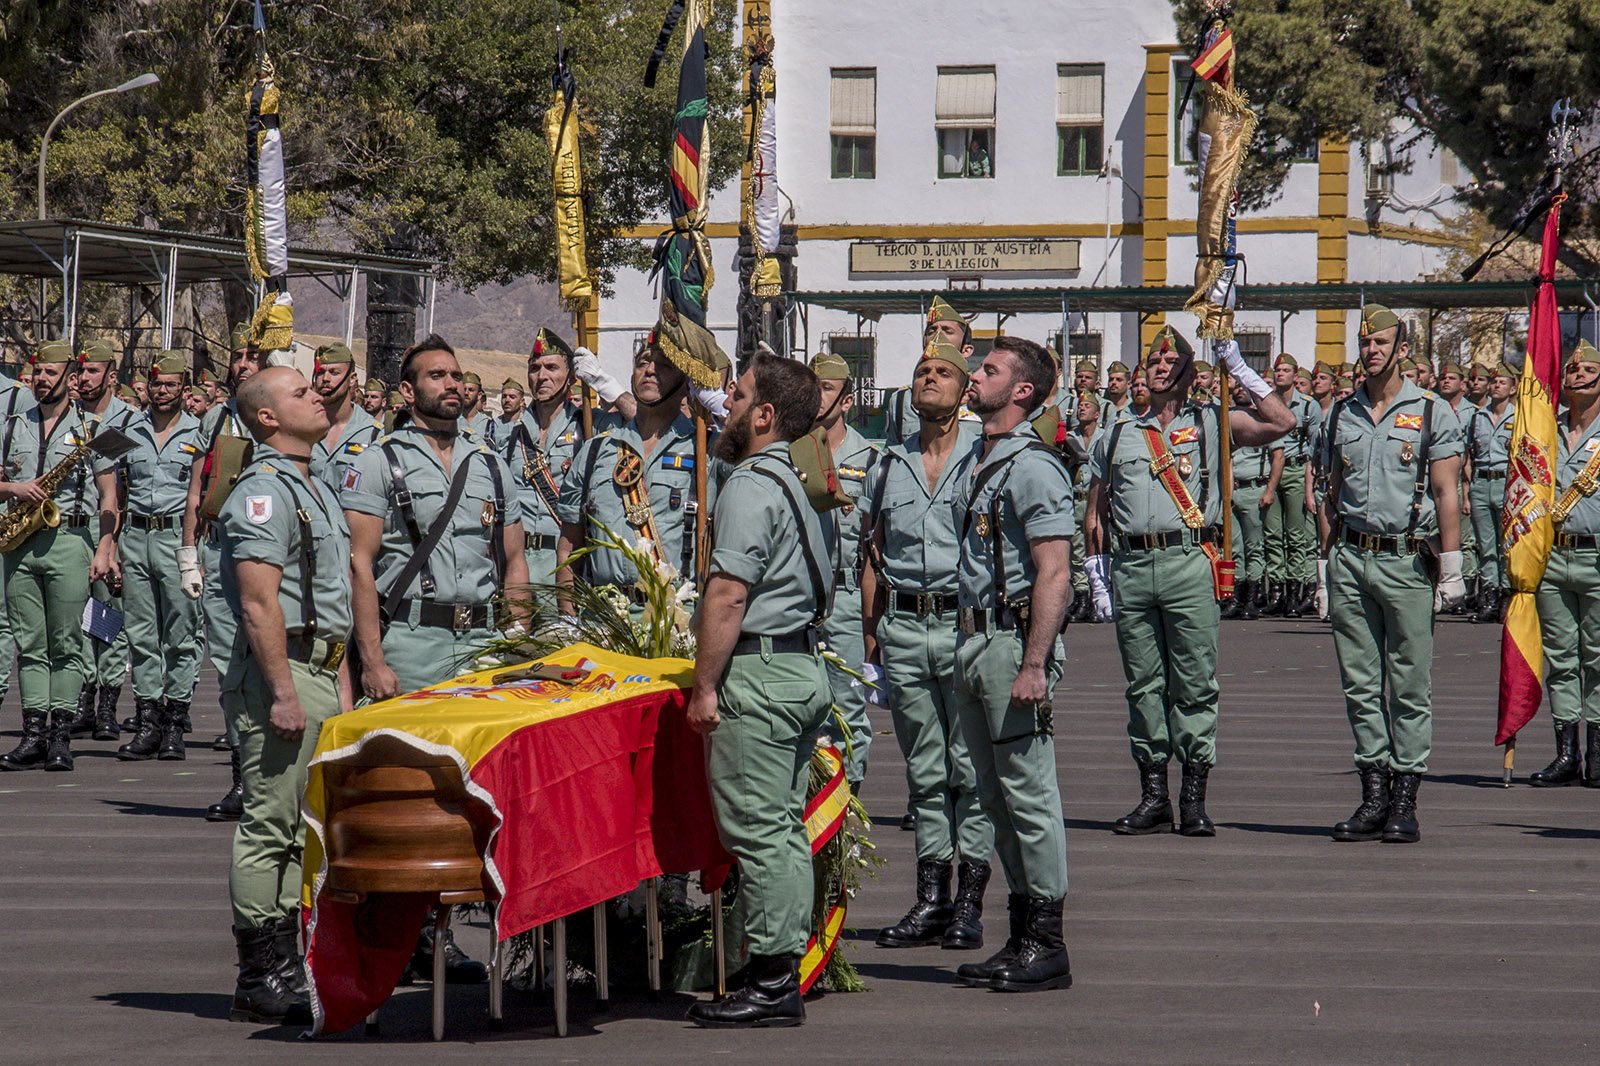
[
  {"x": 352, "y": 479},
  {"x": 258, "y": 509},
  {"x": 1408, "y": 421}
]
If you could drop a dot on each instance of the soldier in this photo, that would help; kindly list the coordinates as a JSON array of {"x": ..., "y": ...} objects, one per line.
[
  {"x": 764, "y": 693},
  {"x": 351, "y": 430},
  {"x": 1393, "y": 453},
  {"x": 161, "y": 622},
  {"x": 1258, "y": 480},
  {"x": 1205, "y": 379},
  {"x": 1086, "y": 427},
  {"x": 15, "y": 398},
  {"x": 1453, "y": 390},
  {"x": 1302, "y": 381},
  {"x": 473, "y": 415},
  {"x": 105, "y": 662},
  {"x": 47, "y": 576},
  {"x": 209, "y": 380},
  {"x": 1139, "y": 393},
  {"x": 511, "y": 402},
  {"x": 638, "y": 480},
  {"x": 1152, "y": 503},
  {"x": 1085, "y": 379},
  {"x": 1478, "y": 379},
  {"x": 853, "y": 458},
  {"x": 944, "y": 323},
  {"x": 374, "y": 397},
  {"x": 196, "y": 402},
  {"x": 1488, "y": 454},
  {"x": 1119, "y": 382},
  {"x": 1569, "y": 595},
  {"x": 908, "y": 596},
  {"x": 1288, "y": 519},
  {"x": 285, "y": 573},
  {"x": 1012, "y": 509}
]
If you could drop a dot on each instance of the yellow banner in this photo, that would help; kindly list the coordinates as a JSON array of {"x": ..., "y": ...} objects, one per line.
[{"x": 561, "y": 135}]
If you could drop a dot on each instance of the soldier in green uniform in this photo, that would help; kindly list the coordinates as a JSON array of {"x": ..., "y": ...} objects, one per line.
[
  {"x": 1154, "y": 503},
  {"x": 1119, "y": 383},
  {"x": 637, "y": 479},
  {"x": 1478, "y": 379},
  {"x": 1258, "y": 479},
  {"x": 106, "y": 662},
  {"x": 1569, "y": 595},
  {"x": 511, "y": 404},
  {"x": 908, "y": 595},
  {"x": 1289, "y": 522},
  {"x": 351, "y": 430},
  {"x": 853, "y": 458},
  {"x": 1393, "y": 453},
  {"x": 1453, "y": 390},
  {"x": 374, "y": 397},
  {"x": 47, "y": 576},
  {"x": 1012, "y": 508},
  {"x": 161, "y": 622},
  {"x": 15, "y": 398},
  {"x": 284, "y": 569},
  {"x": 473, "y": 416},
  {"x": 945, "y": 324},
  {"x": 1489, "y": 454},
  {"x": 1086, "y": 428},
  {"x": 763, "y": 691},
  {"x": 1205, "y": 379},
  {"x": 1085, "y": 379}
]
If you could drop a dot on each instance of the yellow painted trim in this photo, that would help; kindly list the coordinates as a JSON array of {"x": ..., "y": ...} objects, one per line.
[{"x": 1157, "y": 143}]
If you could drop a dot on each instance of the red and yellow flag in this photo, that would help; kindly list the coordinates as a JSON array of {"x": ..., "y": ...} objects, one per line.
[{"x": 1527, "y": 531}]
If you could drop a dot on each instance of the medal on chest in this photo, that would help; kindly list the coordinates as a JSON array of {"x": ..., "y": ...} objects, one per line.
[
  {"x": 628, "y": 475},
  {"x": 1408, "y": 454},
  {"x": 1185, "y": 465},
  {"x": 983, "y": 524}
]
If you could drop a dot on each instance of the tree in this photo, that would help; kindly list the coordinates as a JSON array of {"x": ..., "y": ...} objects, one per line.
[{"x": 1478, "y": 78}]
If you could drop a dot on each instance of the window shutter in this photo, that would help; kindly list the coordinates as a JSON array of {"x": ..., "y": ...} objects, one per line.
[
  {"x": 1080, "y": 94},
  {"x": 854, "y": 103},
  {"x": 965, "y": 98}
]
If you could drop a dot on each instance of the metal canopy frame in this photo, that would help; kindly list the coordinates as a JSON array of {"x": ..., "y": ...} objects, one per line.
[{"x": 74, "y": 251}]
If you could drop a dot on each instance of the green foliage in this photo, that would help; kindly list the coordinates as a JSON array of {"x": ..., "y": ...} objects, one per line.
[
  {"x": 421, "y": 115},
  {"x": 1478, "y": 77}
]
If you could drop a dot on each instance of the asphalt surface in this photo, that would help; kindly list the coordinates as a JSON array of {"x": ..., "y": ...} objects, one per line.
[{"x": 1267, "y": 944}]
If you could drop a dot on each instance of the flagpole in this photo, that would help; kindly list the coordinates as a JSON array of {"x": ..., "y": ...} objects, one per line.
[{"x": 584, "y": 336}]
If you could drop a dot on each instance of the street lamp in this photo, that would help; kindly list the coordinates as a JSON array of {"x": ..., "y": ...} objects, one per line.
[{"x": 131, "y": 84}]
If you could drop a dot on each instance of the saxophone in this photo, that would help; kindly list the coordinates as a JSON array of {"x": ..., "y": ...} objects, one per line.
[{"x": 22, "y": 520}]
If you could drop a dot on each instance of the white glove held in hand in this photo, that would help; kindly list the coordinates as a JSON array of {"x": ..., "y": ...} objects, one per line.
[
  {"x": 1228, "y": 355},
  {"x": 1452, "y": 587},
  {"x": 587, "y": 366},
  {"x": 1322, "y": 588},
  {"x": 715, "y": 401},
  {"x": 872, "y": 675},
  {"x": 189, "y": 578},
  {"x": 1098, "y": 567}
]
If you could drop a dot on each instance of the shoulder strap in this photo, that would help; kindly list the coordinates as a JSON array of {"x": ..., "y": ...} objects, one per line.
[
  {"x": 813, "y": 567},
  {"x": 987, "y": 474},
  {"x": 11, "y": 424},
  {"x": 308, "y": 560},
  {"x": 497, "y": 521},
  {"x": 421, "y": 548},
  {"x": 1420, "y": 489}
]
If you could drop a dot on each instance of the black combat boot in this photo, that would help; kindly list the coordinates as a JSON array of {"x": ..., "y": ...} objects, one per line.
[
  {"x": 1368, "y": 820},
  {"x": 1488, "y": 605},
  {"x": 1192, "y": 818},
  {"x": 30, "y": 752},
  {"x": 908, "y": 822},
  {"x": 965, "y": 931},
  {"x": 231, "y": 805},
  {"x": 1041, "y": 963},
  {"x": 261, "y": 995},
  {"x": 172, "y": 715},
  {"x": 105, "y": 712},
  {"x": 1591, "y": 756},
  {"x": 978, "y": 974},
  {"x": 1297, "y": 599},
  {"x": 770, "y": 998},
  {"x": 1567, "y": 768},
  {"x": 1234, "y": 607},
  {"x": 220, "y": 743},
  {"x": 459, "y": 968},
  {"x": 1154, "y": 812},
  {"x": 83, "y": 718},
  {"x": 1274, "y": 604},
  {"x": 181, "y": 709},
  {"x": 925, "y": 922},
  {"x": 132, "y": 723},
  {"x": 147, "y": 741},
  {"x": 59, "y": 755},
  {"x": 1252, "y": 601},
  {"x": 1402, "y": 828},
  {"x": 286, "y": 951}
]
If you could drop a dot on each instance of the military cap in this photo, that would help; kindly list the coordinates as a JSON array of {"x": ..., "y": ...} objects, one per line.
[
  {"x": 208, "y": 377},
  {"x": 1117, "y": 367},
  {"x": 471, "y": 378},
  {"x": 198, "y": 392},
  {"x": 1375, "y": 318},
  {"x": 813, "y": 464},
  {"x": 128, "y": 392},
  {"x": 544, "y": 340},
  {"x": 1479, "y": 370},
  {"x": 829, "y": 367},
  {"x": 98, "y": 352},
  {"x": 396, "y": 397},
  {"x": 1086, "y": 366},
  {"x": 224, "y": 392},
  {"x": 1302, "y": 374},
  {"x": 170, "y": 361},
  {"x": 240, "y": 337},
  {"x": 1503, "y": 370},
  {"x": 334, "y": 354},
  {"x": 509, "y": 385},
  {"x": 1169, "y": 339},
  {"x": 52, "y": 352},
  {"x": 1408, "y": 363},
  {"x": 940, "y": 311},
  {"x": 1450, "y": 366},
  {"x": 376, "y": 385},
  {"x": 946, "y": 352},
  {"x": 1201, "y": 364},
  {"x": 1048, "y": 426},
  {"x": 1583, "y": 352},
  {"x": 1285, "y": 359},
  {"x": 1329, "y": 369}
]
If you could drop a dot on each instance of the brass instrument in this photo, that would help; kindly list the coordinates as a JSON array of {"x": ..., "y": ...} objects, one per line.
[{"x": 22, "y": 520}]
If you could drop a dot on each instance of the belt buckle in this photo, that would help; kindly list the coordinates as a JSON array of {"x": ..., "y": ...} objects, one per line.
[
  {"x": 925, "y": 604},
  {"x": 335, "y": 656},
  {"x": 967, "y": 621},
  {"x": 461, "y": 620},
  {"x": 1369, "y": 542},
  {"x": 1565, "y": 540}
]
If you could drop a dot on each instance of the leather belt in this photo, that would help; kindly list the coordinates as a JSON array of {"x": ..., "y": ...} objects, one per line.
[
  {"x": 1577, "y": 540},
  {"x": 155, "y": 522},
  {"x": 1144, "y": 542},
  {"x": 804, "y": 643},
  {"x": 1250, "y": 482},
  {"x": 457, "y": 617},
  {"x": 1489, "y": 475},
  {"x": 1379, "y": 543},
  {"x": 75, "y": 521},
  {"x": 981, "y": 619},
  {"x": 314, "y": 651},
  {"x": 542, "y": 542},
  {"x": 924, "y": 603}
]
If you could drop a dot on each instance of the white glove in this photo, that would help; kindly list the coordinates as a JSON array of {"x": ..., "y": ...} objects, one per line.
[
  {"x": 1228, "y": 355},
  {"x": 1098, "y": 567},
  {"x": 1452, "y": 587},
  {"x": 1322, "y": 589},
  {"x": 587, "y": 366},
  {"x": 714, "y": 401},
  {"x": 872, "y": 680},
  {"x": 189, "y": 578}
]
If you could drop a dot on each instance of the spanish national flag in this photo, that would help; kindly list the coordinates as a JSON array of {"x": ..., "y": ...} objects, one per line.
[
  {"x": 1527, "y": 531},
  {"x": 1212, "y": 64}
]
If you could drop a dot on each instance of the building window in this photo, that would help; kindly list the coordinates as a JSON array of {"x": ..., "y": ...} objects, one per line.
[
  {"x": 1084, "y": 346},
  {"x": 860, "y": 353},
  {"x": 1080, "y": 119},
  {"x": 964, "y": 122},
  {"x": 1185, "y": 126},
  {"x": 853, "y": 122},
  {"x": 1449, "y": 168},
  {"x": 1256, "y": 347}
]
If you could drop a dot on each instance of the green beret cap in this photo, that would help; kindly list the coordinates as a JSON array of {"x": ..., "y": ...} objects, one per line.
[
  {"x": 1086, "y": 366},
  {"x": 509, "y": 385},
  {"x": 1375, "y": 318},
  {"x": 1408, "y": 363},
  {"x": 1584, "y": 352},
  {"x": 53, "y": 352},
  {"x": 240, "y": 337},
  {"x": 1169, "y": 339},
  {"x": 1302, "y": 374},
  {"x": 940, "y": 311},
  {"x": 471, "y": 378},
  {"x": 1501, "y": 370},
  {"x": 1201, "y": 364},
  {"x": 1327, "y": 368},
  {"x": 1285, "y": 359},
  {"x": 946, "y": 352},
  {"x": 396, "y": 397},
  {"x": 128, "y": 392},
  {"x": 334, "y": 354},
  {"x": 98, "y": 352},
  {"x": 376, "y": 385},
  {"x": 1480, "y": 371},
  {"x": 1345, "y": 381},
  {"x": 1450, "y": 366},
  {"x": 208, "y": 377},
  {"x": 830, "y": 367},
  {"x": 198, "y": 393},
  {"x": 1117, "y": 367},
  {"x": 543, "y": 340},
  {"x": 170, "y": 361}
]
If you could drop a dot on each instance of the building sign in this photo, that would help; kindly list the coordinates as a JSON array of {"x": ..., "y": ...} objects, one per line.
[{"x": 964, "y": 257}]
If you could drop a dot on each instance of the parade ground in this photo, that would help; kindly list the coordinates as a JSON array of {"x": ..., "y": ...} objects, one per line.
[{"x": 1267, "y": 944}]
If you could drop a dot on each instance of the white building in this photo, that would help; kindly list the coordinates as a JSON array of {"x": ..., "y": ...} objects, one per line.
[{"x": 1088, "y": 182}]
